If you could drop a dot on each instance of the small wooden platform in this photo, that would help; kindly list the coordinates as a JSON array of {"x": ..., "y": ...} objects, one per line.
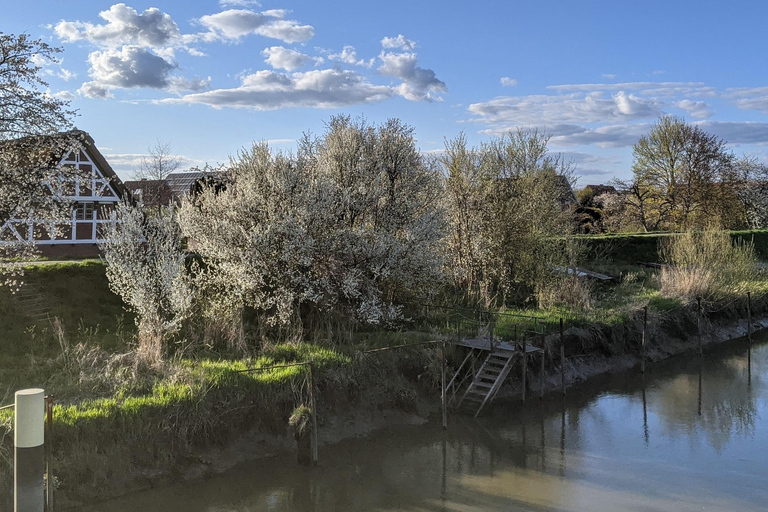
[{"x": 485, "y": 344}]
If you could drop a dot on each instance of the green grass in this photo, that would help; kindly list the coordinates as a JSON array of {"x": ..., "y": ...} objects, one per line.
[{"x": 634, "y": 247}]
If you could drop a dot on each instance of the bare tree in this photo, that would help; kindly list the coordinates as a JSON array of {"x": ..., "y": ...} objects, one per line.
[
  {"x": 158, "y": 163},
  {"x": 154, "y": 169},
  {"x": 689, "y": 175}
]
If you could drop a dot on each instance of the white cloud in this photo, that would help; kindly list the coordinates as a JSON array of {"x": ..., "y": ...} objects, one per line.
[
  {"x": 133, "y": 67},
  {"x": 508, "y": 82},
  {"x": 66, "y": 74},
  {"x": 609, "y": 76},
  {"x": 695, "y": 108},
  {"x": 736, "y": 132},
  {"x": 749, "y": 98},
  {"x": 283, "y": 58},
  {"x": 417, "y": 83},
  {"x": 64, "y": 95},
  {"x": 128, "y": 67},
  {"x": 400, "y": 42},
  {"x": 95, "y": 90},
  {"x": 234, "y": 24},
  {"x": 594, "y": 107},
  {"x": 270, "y": 90},
  {"x": 239, "y": 3},
  {"x": 124, "y": 25},
  {"x": 348, "y": 55}
]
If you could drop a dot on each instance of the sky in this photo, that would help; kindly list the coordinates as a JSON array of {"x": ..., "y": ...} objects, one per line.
[{"x": 211, "y": 77}]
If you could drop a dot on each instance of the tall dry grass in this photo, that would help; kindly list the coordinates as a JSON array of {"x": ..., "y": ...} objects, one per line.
[{"x": 706, "y": 264}]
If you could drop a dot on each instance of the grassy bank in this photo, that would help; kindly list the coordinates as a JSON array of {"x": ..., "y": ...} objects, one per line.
[
  {"x": 634, "y": 247},
  {"x": 120, "y": 423}
]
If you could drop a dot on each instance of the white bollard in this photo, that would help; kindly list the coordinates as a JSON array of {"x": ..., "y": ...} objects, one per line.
[{"x": 29, "y": 451}]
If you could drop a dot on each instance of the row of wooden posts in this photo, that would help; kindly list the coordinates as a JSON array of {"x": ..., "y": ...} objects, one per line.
[
  {"x": 699, "y": 331},
  {"x": 29, "y": 496}
]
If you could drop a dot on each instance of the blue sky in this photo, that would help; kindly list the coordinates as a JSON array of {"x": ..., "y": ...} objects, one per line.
[{"x": 210, "y": 77}]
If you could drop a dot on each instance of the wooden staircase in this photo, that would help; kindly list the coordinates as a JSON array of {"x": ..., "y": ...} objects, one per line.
[
  {"x": 32, "y": 303},
  {"x": 487, "y": 380}
]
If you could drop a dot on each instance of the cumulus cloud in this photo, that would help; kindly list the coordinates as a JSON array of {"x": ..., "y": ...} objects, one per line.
[
  {"x": 348, "y": 55},
  {"x": 133, "y": 67},
  {"x": 508, "y": 82},
  {"x": 283, "y": 58},
  {"x": 400, "y": 42},
  {"x": 270, "y": 90},
  {"x": 749, "y": 98},
  {"x": 234, "y": 24},
  {"x": 124, "y": 25},
  {"x": 417, "y": 83},
  {"x": 128, "y": 67}
]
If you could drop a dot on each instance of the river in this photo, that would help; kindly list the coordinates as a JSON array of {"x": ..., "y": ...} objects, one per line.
[{"x": 691, "y": 435}]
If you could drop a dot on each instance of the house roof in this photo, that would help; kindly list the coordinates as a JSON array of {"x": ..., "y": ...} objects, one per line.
[
  {"x": 60, "y": 144},
  {"x": 181, "y": 183}
]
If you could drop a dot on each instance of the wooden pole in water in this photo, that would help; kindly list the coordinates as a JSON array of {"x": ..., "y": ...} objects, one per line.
[
  {"x": 698, "y": 323},
  {"x": 442, "y": 379},
  {"x": 525, "y": 367},
  {"x": 541, "y": 377},
  {"x": 313, "y": 404},
  {"x": 749, "y": 337},
  {"x": 562, "y": 357},
  {"x": 642, "y": 340},
  {"x": 749, "y": 317},
  {"x": 48, "y": 438}
]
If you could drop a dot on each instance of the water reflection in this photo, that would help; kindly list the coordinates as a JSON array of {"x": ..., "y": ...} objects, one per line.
[{"x": 689, "y": 435}]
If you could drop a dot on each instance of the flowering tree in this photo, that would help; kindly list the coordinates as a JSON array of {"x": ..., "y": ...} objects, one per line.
[
  {"x": 146, "y": 268},
  {"x": 28, "y": 152},
  {"x": 348, "y": 228}
]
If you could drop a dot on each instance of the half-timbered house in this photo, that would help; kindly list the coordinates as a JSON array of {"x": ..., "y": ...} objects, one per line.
[{"x": 93, "y": 193}]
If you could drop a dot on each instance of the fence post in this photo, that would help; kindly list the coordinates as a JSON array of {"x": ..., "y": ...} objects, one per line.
[
  {"x": 525, "y": 367},
  {"x": 313, "y": 404},
  {"x": 562, "y": 357},
  {"x": 642, "y": 340},
  {"x": 698, "y": 323},
  {"x": 492, "y": 328},
  {"x": 29, "y": 451},
  {"x": 749, "y": 337},
  {"x": 442, "y": 379},
  {"x": 49, "y": 487},
  {"x": 749, "y": 317},
  {"x": 543, "y": 354}
]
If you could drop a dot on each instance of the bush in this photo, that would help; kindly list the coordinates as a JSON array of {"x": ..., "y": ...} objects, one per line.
[{"x": 706, "y": 264}]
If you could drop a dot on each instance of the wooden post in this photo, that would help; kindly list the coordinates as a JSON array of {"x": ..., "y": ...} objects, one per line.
[
  {"x": 562, "y": 357},
  {"x": 492, "y": 326},
  {"x": 49, "y": 487},
  {"x": 541, "y": 377},
  {"x": 698, "y": 323},
  {"x": 442, "y": 379},
  {"x": 749, "y": 338},
  {"x": 525, "y": 367},
  {"x": 313, "y": 404},
  {"x": 749, "y": 317},
  {"x": 642, "y": 340}
]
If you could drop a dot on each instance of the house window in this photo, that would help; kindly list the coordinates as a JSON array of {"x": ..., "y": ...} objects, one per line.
[{"x": 84, "y": 211}]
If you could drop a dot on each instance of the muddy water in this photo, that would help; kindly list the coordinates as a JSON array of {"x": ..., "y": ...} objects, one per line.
[{"x": 689, "y": 436}]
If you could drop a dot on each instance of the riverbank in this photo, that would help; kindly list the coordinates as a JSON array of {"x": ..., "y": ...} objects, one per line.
[{"x": 122, "y": 426}]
